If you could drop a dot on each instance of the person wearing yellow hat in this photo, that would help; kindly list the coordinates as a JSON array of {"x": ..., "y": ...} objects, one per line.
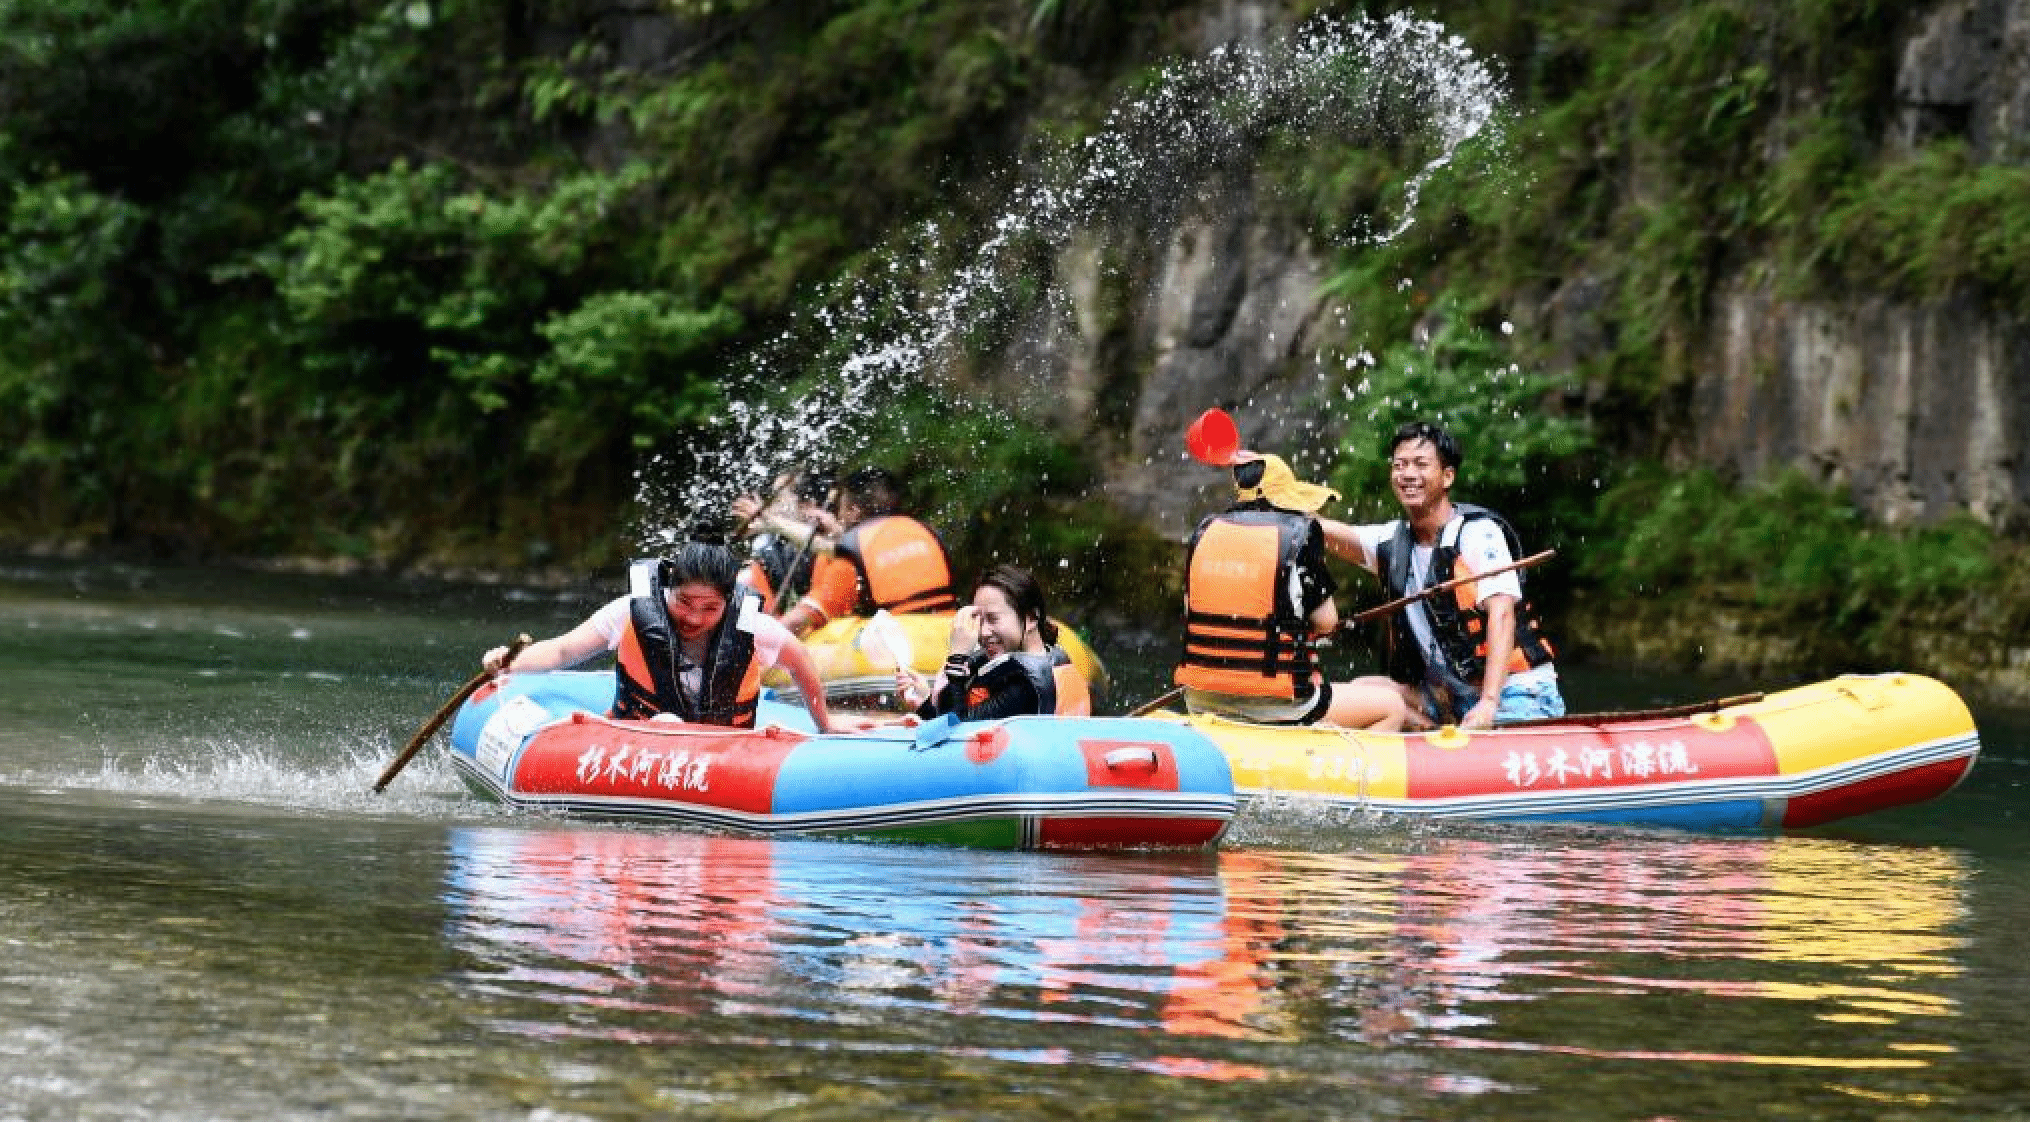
[
  {"x": 1257, "y": 598},
  {"x": 1477, "y": 655}
]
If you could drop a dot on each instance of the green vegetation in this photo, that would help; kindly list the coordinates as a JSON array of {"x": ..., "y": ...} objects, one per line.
[
  {"x": 398, "y": 281},
  {"x": 423, "y": 281},
  {"x": 1464, "y": 378},
  {"x": 1795, "y": 550},
  {"x": 1654, "y": 145},
  {"x": 1935, "y": 226}
]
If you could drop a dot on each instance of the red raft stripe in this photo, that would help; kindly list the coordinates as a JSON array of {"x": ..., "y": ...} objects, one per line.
[
  {"x": 732, "y": 770},
  {"x": 1120, "y": 833},
  {"x": 1580, "y": 759},
  {"x": 1895, "y": 789}
]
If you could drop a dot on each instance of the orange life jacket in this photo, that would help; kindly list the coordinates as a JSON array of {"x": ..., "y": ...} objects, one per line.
[
  {"x": 755, "y": 576},
  {"x": 649, "y": 674},
  {"x": 1074, "y": 696},
  {"x": 903, "y": 566},
  {"x": 1244, "y": 633}
]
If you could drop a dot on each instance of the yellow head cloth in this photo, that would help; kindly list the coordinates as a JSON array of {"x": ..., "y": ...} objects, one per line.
[{"x": 1281, "y": 487}]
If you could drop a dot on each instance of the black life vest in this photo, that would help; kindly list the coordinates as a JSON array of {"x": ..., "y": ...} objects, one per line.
[
  {"x": 1244, "y": 630},
  {"x": 781, "y": 566},
  {"x": 649, "y": 679},
  {"x": 994, "y": 676},
  {"x": 1458, "y": 624}
]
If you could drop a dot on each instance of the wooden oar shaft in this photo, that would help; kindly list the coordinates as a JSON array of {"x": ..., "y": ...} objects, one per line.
[
  {"x": 1156, "y": 702},
  {"x": 1446, "y": 586},
  {"x": 803, "y": 551},
  {"x": 1690, "y": 710},
  {"x": 443, "y": 714}
]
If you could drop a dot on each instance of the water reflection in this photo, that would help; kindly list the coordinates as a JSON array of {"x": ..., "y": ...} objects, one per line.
[
  {"x": 1693, "y": 950},
  {"x": 1645, "y": 949}
]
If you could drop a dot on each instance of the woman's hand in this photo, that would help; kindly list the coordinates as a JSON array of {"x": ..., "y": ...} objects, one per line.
[
  {"x": 911, "y": 687},
  {"x": 965, "y": 630}
]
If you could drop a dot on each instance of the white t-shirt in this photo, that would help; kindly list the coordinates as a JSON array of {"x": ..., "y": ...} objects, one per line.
[
  {"x": 770, "y": 636},
  {"x": 1482, "y": 545}
]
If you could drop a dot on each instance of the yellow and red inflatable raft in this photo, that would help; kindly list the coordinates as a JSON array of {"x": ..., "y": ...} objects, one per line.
[{"x": 1793, "y": 759}]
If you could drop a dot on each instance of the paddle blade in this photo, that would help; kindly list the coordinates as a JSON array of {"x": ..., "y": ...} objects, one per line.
[
  {"x": 1213, "y": 439},
  {"x": 890, "y": 635}
]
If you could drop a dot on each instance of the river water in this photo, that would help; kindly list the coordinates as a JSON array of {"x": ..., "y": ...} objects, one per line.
[{"x": 203, "y": 915}]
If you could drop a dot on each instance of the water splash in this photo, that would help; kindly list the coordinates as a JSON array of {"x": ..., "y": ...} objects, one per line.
[
  {"x": 279, "y": 776},
  {"x": 1398, "y": 81}
]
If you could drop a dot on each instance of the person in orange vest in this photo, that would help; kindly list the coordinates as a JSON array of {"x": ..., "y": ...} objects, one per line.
[
  {"x": 882, "y": 560},
  {"x": 1257, "y": 598},
  {"x": 691, "y": 642},
  {"x": 1004, "y": 659},
  {"x": 1473, "y": 656}
]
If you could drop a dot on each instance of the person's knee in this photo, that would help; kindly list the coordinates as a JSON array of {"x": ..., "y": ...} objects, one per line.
[
  {"x": 1394, "y": 710},
  {"x": 1362, "y": 704}
]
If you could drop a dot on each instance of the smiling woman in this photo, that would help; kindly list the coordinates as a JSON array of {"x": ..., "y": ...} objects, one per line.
[
  {"x": 692, "y": 642},
  {"x": 1004, "y": 659}
]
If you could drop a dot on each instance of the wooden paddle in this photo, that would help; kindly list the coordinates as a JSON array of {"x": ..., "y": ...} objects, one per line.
[
  {"x": 430, "y": 726},
  {"x": 775, "y": 594},
  {"x": 1691, "y": 710},
  {"x": 1156, "y": 702},
  {"x": 1406, "y": 601}
]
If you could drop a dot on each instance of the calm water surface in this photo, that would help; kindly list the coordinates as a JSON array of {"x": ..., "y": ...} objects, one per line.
[{"x": 204, "y": 916}]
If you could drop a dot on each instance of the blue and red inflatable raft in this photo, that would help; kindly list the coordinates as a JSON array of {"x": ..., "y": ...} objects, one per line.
[{"x": 542, "y": 741}]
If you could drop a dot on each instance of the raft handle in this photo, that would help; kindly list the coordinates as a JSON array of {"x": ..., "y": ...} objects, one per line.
[
  {"x": 1133, "y": 756},
  {"x": 1864, "y": 691}
]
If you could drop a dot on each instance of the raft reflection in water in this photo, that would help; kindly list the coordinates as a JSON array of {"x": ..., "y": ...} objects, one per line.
[{"x": 1793, "y": 952}]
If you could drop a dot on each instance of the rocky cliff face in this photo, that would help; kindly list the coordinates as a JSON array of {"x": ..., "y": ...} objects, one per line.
[
  {"x": 1218, "y": 305},
  {"x": 1919, "y": 410},
  {"x": 1228, "y": 315}
]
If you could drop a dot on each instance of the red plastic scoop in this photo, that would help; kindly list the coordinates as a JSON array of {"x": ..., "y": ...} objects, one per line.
[{"x": 1213, "y": 439}]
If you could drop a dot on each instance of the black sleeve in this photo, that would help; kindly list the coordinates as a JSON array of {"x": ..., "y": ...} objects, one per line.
[
  {"x": 1010, "y": 694},
  {"x": 1312, "y": 575},
  {"x": 1014, "y": 698}
]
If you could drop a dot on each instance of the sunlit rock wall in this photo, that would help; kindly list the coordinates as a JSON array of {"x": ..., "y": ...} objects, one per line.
[
  {"x": 1228, "y": 317},
  {"x": 1919, "y": 409}
]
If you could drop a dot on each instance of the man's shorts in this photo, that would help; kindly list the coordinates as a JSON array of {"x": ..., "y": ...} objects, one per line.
[
  {"x": 1527, "y": 700},
  {"x": 1262, "y": 710}
]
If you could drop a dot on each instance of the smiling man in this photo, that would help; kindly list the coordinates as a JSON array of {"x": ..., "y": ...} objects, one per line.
[
  {"x": 1476, "y": 655},
  {"x": 692, "y": 643}
]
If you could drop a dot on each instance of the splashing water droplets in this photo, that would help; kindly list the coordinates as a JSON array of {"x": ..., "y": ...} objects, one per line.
[{"x": 804, "y": 397}]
